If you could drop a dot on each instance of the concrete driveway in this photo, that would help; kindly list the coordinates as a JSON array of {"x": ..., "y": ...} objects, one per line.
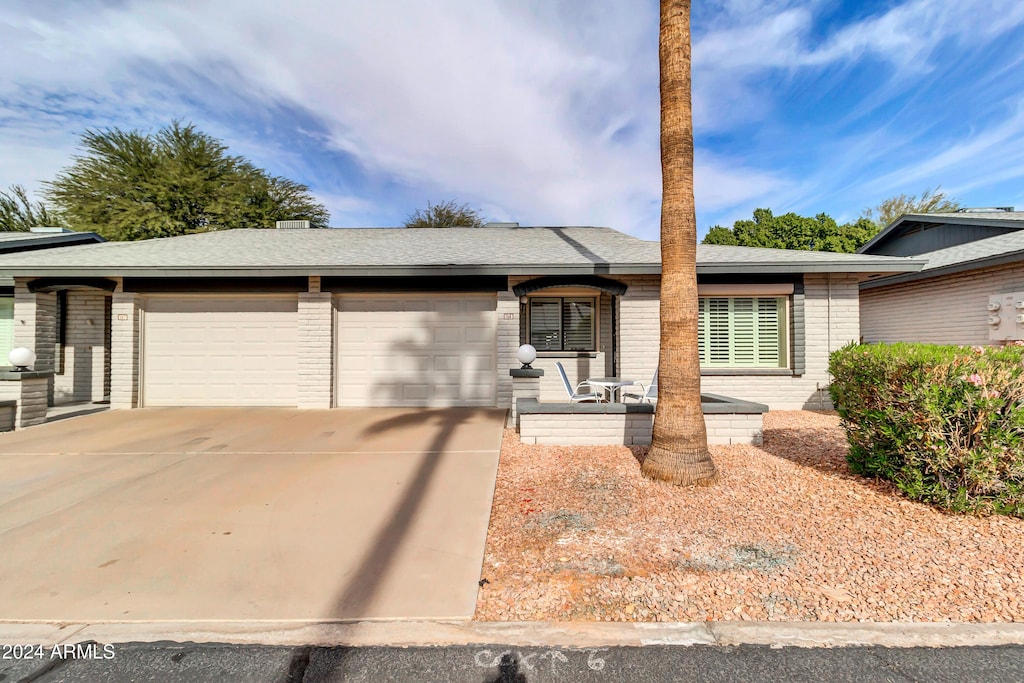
[{"x": 247, "y": 513}]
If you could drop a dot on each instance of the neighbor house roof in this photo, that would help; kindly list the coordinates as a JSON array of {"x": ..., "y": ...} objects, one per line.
[
  {"x": 20, "y": 242},
  {"x": 423, "y": 251},
  {"x": 1012, "y": 220},
  {"x": 28, "y": 241},
  {"x": 983, "y": 253}
]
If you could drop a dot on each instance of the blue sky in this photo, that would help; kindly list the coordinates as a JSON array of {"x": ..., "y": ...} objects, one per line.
[{"x": 540, "y": 111}]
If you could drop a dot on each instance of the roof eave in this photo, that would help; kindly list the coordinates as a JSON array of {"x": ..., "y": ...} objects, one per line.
[
  {"x": 519, "y": 269},
  {"x": 327, "y": 271}
]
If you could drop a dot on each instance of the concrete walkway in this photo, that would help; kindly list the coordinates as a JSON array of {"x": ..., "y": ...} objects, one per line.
[{"x": 233, "y": 514}]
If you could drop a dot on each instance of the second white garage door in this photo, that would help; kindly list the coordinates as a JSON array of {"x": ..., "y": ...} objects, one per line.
[
  {"x": 430, "y": 350},
  {"x": 220, "y": 351}
]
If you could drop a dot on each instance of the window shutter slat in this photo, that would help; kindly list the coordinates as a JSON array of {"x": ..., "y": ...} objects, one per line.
[
  {"x": 768, "y": 332},
  {"x": 545, "y": 324},
  {"x": 578, "y": 324}
]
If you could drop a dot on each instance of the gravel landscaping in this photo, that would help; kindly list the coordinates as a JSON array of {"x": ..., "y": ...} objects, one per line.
[{"x": 789, "y": 534}]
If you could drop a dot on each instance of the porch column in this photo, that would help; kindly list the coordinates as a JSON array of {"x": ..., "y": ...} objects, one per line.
[
  {"x": 35, "y": 327},
  {"x": 126, "y": 318},
  {"x": 508, "y": 344},
  {"x": 525, "y": 384},
  {"x": 316, "y": 347}
]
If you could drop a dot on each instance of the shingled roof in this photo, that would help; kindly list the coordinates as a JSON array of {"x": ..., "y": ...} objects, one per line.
[{"x": 402, "y": 251}]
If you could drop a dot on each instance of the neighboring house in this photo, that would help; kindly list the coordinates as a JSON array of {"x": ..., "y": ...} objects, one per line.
[
  {"x": 969, "y": 257},
  {"x": 20, "y": 242},
  {"x": 427, "y": 317}
]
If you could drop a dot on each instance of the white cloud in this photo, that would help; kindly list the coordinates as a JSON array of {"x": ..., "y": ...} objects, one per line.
[
  {"x": 542, "y": 111},
  {"x": 467, "y": 97}
]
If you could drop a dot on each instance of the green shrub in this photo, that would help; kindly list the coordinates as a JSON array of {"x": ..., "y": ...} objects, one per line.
[{"x": 945, "y": 424}]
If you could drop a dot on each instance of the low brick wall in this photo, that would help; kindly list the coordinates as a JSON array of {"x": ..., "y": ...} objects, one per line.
[
  {"x": 29, "y": 392},
  {"x": 606, "y": 424},
  {"x": 8, "y": 409}
]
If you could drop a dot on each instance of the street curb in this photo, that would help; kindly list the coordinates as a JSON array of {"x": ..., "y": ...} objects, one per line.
[{"x": 520, "y": 634}]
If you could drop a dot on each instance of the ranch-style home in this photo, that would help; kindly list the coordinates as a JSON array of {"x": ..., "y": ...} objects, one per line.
[{"x": 416, "y": 317}]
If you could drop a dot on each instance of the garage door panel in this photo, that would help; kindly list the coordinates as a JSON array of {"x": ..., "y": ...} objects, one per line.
[
  {"x": 411, "y": 351},
  {"x": 220, "y": 351}
]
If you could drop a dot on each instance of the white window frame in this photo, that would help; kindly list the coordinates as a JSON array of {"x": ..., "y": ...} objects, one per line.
[{"x": 783, "y": 309}]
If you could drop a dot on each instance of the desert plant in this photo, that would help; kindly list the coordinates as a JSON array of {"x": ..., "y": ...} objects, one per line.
[{"x": 945, "y": 424}]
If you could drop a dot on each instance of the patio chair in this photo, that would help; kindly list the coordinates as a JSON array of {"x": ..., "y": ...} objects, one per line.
[
  {"x": 575, "y": 395},
  {"x": 646, "y": 395}
]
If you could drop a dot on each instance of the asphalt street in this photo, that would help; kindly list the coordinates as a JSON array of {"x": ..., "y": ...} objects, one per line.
[{"x": 188, "y": 662}]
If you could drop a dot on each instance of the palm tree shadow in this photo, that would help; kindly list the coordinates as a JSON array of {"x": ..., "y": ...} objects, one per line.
[
  {"x": 823, "y": 449},
  {"x": 366, "y": 581}
]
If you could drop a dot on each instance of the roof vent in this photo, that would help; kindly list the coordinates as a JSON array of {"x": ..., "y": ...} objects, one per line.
[
  {"x": 501, "y": 225},
  {"x": 293, "y": 225},
  {"x": 986, "y": 209},
  {"x": 45, "y": 229}
]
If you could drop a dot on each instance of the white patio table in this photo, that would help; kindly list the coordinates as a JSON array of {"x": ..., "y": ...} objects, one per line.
[{"x": 612, "y": 385}]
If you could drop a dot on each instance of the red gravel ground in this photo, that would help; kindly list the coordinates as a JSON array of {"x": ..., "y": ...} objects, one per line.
[{"x": 789, "y": 534}]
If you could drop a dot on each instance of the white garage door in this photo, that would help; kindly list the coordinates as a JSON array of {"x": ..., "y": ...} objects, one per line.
[
  {"x": 220, "y": 351},
  {"x": 436, "y": 350}
]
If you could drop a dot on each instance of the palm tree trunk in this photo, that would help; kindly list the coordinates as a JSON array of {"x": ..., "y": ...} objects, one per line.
[{"x": 679, "y": 451}]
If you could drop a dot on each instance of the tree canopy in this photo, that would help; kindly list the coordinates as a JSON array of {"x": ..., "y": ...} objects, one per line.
[
  {"x": 793, "y": 231},
  {"x": 929, "y": 201},
  {"x": 130, "y": 185},
  {"x": 449, "y": 214},
  {"x": 18, "y": 212}
]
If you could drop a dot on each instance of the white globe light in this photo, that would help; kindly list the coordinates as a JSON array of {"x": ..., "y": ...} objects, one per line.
[
  {"x": 21, "y": 357},
  {"x": 526, "y": 354}
]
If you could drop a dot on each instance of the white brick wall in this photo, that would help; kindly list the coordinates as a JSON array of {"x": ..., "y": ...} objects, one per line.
[
  {"x": 84, "y": 352},
  {"x": 586, "y": 429},
  {"x": 943, "y": 310},
  {"x": 582, "y": 429},
  {"x": 316, "y": 349},
  {"x": 523, "y": 387},
  {"x": 639, "y": 327},
  {"x": 124, "y": 350}
]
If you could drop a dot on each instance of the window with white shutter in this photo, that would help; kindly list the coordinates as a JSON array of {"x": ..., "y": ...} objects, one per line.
[
  {"x": 742, "y": 332},
  {"x": 563, "y": 323}
]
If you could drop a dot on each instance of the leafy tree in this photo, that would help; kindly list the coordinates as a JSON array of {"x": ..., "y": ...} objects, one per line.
[
  {"x": 929, "y": 201},
  {"x": 449, "y": 214},
  {"x": 129, "y": 185},
  {"x": 792, "y": 231},
  {"x": 679, "y": 446},
  {"x": 18, "y": 212}
]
